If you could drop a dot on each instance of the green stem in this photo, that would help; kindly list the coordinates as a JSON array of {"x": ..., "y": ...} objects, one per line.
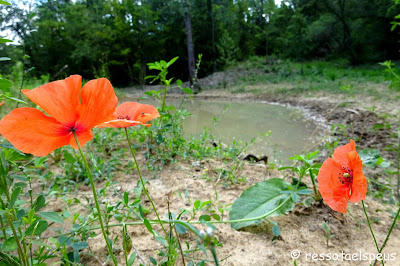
[
  {"x": 214, "y": 253},
  {"x": 390, "y": 231},
  {"x": 124, "y": 231},
  {"x": 141, "y": 180},
  {"x": 317, "y": 195},
  {"x": 3, "y": 228},
  {"x": 95, "y": 199},
  {"x": 369, "y": 224},
  {"x": 20, "y": 251},
  {"x": 13, "y": 210}
]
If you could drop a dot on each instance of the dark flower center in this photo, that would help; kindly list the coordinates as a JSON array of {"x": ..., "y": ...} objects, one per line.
[
  {"x": 346, "y": 178},
  {"x": 127, "y": 117}
]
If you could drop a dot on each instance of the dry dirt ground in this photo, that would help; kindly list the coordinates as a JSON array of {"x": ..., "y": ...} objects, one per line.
[{"x": 301, "y": 229}]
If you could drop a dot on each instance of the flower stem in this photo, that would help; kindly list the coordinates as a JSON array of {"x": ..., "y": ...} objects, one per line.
[
  {"x": 316, "y": 193},
  {"x": 95, "y": 199},
  {"x": 369, "y": 224},
  {"x": 141, "y": 180},
  {"x": 390, "y": 231},
  {"x": 20, "y": 251}
]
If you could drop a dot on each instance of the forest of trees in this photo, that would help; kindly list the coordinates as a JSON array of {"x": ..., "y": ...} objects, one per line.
[{"x": 116, "y": 38}]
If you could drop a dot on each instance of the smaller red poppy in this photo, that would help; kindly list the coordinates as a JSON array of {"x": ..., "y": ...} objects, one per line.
[
  {"x": 341, "y": 179},
  {"x": 130, "y": 114}
]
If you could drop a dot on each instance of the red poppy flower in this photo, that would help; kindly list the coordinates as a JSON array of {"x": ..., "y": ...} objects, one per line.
[
  {"x": 341, "y": 178},
  {"x": 131, "y": 114},
  {"x": 71, "y": 108}
]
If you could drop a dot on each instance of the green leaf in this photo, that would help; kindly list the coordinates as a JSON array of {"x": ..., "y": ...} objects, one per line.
[
  {"x": 172, "y": 61},
  {"x": 52, "y": 217},
  {"x": 9, "y": 245},
  {"x": 371, "y": 158},
  {"x": 80, "y": 245},
  {"x": 2, "y": 2},
  {"x": 259, "y": 200},
  {"x": 14, "y": 99},
  {"x": 132, "y": 259},
  {"x": 37, "y": 227},
  {"x": 153, "y": 260},
  {"x": 39, "y": 202},
  {"x": 5, "y": 84},
  {"x": 126, "y": 198},
  {"x": 180, "y": 229},
  {"x": 187, "y": 90},
  {"x": 148, "y": 225},
  {"x": 276, "y": 230},
  {"x": 205, "y": 218},
  {"x": 14, "y": 197},
  {"x": 3, "y": 40}
]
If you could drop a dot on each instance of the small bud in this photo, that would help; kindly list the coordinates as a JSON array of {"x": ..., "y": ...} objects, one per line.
[
  {"x": 202, "y": 233},
  {"x": 346, "y": 175},
  {"x": 209, "y": 231}
]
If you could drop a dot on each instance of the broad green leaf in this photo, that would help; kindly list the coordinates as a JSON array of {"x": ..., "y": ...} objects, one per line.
[
  {"x": 39, "y": 202},
  {"x": 9, "y": 245},
  {"x": 5, "y": 84},
  {"x": 2, "y": 2},
  {"x": 3, "y": 40},
  {"x": 259, "y": 200},
  {"x": 205, "y": 217},
  {"x": 80, "y": 245},
  {"x": 371, "y": 158},
  {"x": 52, "y": 217},
  {"x": 37, "y": 227},
  {"x": 180, "y": 229}
]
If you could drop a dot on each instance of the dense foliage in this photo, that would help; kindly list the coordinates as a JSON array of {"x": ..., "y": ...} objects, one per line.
[{"x": 116, "y": 38}]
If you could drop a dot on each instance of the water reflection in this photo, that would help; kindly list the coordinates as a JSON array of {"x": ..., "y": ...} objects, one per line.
[{"x": 290, "y": 130}]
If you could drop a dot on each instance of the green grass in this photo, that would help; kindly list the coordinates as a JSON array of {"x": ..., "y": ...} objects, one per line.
[{"x": 330, "y": 77}]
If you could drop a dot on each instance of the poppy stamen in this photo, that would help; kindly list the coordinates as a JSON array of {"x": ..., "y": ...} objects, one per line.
[{"x": 346, "y": 178}]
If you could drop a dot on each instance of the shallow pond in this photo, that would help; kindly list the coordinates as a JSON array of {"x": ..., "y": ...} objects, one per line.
[{"x": 292, "y": 130}]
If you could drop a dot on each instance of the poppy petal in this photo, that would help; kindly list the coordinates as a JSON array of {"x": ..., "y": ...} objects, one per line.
[
  {"x": 359, "y": 186},
  {"x": 339, "y": 154},
  {"x": 334, "y": 193},
  {"x": 98, "y": 102},
  {"x": 118, "y": 123},
  {"x": 31, "y": 131},
  {"x": 136, "y": 111},
  {"x": 59, "y": 98},
  {"x": 83, "y": 137}
]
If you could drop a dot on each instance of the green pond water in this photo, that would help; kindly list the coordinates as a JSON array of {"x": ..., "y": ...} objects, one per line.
[{"x": 292, "y": 130}]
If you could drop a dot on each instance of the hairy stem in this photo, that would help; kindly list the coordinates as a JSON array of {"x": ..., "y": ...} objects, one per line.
[{"x": 95, "y": 200}]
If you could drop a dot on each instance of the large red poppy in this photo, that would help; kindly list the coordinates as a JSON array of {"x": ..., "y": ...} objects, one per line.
[
  {"x": 341, "y": 178},
  {"x": 131, "y": 114},
  {"x": 71, "y": 108}
]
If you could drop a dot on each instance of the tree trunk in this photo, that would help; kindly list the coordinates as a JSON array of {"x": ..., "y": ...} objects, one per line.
[
  {"x": 212, "y": 33},
  {"x": 189, "y": 41}
]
